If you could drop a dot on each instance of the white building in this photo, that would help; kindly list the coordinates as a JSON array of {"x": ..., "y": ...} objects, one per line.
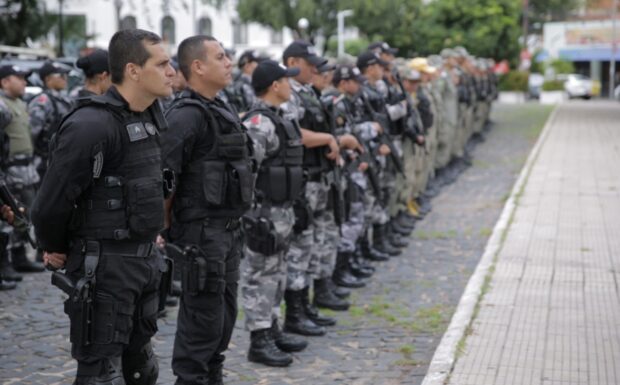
[{"x": 174, "y": 20}]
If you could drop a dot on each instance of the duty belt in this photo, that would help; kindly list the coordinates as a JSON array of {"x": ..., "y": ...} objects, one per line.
[
  {"x": 129, "y": 249},
  {"x": 20, "y": 160},
  {"x": 228, "y": 224}
]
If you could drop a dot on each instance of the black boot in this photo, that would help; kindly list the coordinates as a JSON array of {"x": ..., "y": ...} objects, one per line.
[
  {"x": 397, "y": 240},
  {"x": 407, "y": 219},
  {"x": 324, "y": 297},
  {"x": 312, "y": 312},
  {"x": 215, "y": 375},
  {"x": 358, "y": 259},
  {"x": 6, "y": 269},
  {"x": 263, "y": 350},
  {"x": 358, "y": 267},
  {"x": 112, "y": 374},
  {"x": 370, "y": 252},
  {"x": 22, "y": 263},
  {"x": 425, "y": 204},
  {"x": 339, "y": 291},
  {"x": 381, "y": 243},
  {"x": 287, "y": 342},
  {"x": 396, "y": 227},
  {"x": 7, "y": 285},
  {"x": 342, "y": 276},
  {"x": 296, "y": 321}
]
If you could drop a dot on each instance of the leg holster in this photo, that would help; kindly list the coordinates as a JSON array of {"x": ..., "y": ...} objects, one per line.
[{"x": 200, "y": 274}]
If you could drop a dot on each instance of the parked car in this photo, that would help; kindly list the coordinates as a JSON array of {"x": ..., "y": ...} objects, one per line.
[{"x": 578, "y": 86}]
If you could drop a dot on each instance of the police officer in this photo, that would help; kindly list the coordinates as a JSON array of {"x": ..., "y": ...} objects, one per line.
[
  {"x": 97, "y": 71},
  {"x": 242, "y": 86},
  {"x": 20, "y": 173},
  {"x": 47, "y": 110},
  {"x": 278, "y": 150},
  {"x": 208, "y": 148},
  {"x": 99, "y": 210}
]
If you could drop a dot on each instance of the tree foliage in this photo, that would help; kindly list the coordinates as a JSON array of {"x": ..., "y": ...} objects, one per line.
[{"x": 22, "y": 19}]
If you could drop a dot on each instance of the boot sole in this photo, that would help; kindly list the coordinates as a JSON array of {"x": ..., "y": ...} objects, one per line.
[
  {"x": 276, "y": 364},
  {"x": 302, "y": 333}
]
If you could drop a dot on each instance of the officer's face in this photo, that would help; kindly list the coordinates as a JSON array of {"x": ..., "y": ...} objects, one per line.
[
  {"x": 56, "y": 81},
  {"x": 306, "y": 70},
  {"x": 282, "y": 89},
  {"x": 155, "y": 76},
  {"x": 374, "y": 72},
  {"x": 14, "y": 86},
  {"x": 216, "y": 69},
  {"x": 351, "y": 86}
]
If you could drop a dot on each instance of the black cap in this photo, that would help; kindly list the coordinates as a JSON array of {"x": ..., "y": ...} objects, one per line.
[
  {"x": 326, "y": 67},
  {"x": 50, "y": 67},
  {"x": 94, "y": 63},
  {"x": 301, "y": 48},
  {"x": 346, "y": 72},
  {"x": 369, "y": 58},
  {"x": 250, "y": 56},
  {"x": 268, "y": 71},
  {"x": 8, "y": 70},
  {"x": 381, "y": 46}
]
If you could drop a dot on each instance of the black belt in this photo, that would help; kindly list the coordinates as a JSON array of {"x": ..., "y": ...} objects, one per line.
[
  {"x": 20, "y": 161},
  {"x": 228, "y": 224},
  {"x": 129, "y": 249}
]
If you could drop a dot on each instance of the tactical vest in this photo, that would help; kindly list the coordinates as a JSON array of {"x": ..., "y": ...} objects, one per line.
[
  {"x": 281, "y": 175},
  {"x": 314, "y": 119},
  {"x": 42, "y": 141},
  {"x": 126, "y": 203},
  {"x": 220, "y": 183},
  {"x": 18, "y": 131},
  {"x": 374, "y": 107}
]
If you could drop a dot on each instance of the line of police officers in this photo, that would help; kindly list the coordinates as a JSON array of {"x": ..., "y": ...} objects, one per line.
[{"x": 291, "y": 178}]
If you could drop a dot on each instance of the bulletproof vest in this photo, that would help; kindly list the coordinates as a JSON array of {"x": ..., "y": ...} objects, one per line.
[
  {"x": 316, "y": 120},
  {"x": 281, "y": 176},
  {"x": 42, "y": 141},
  {"x": 395, "y": 96},
  {"x": 374, "y": 107},
  {"x": 425, "y": 109},
  {"x": 219, "y": 184},
  {"x": 126, "y": 203},
  {"x": 18, "y": 131}
]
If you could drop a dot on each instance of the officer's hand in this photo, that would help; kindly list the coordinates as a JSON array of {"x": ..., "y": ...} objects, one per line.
[
  {"x": 363, "y": 166},
  {"x": 378, "y": 128},
  {"x": 56, "y": 260},
  {"x": 350, "y": 142},
  {"x": 8, "y": 214},
  {"x": 160, "y": 241},
  {"x": 420, "y": 140},
  {"x": 384, "y": 149},
  {"x": 334, "y": 149}
]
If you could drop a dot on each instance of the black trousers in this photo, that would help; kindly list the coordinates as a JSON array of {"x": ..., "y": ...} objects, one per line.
[
  {"x": 125, "y": 308},
  {"x": 207, "y": 318}
]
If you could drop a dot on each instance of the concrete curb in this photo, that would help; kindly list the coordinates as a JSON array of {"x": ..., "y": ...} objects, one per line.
[{"x": 445, "y": 355}]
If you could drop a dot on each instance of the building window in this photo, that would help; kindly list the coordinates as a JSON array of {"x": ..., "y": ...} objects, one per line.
[
  {"x": 129, "y": 22},
  {"x": 204, "y": 26},
  {"x": 240, "y": 32},
  {"x": 276, "y": 37},
  {"x": 168, "y": 30}
]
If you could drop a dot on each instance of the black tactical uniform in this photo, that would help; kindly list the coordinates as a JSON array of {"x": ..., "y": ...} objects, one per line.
[
  {"x": 101, "y": 203},
  {"x": 209, "y": 150}
]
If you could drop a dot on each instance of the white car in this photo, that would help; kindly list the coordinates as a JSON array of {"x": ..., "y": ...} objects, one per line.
[{"x": 578, "y": 86}]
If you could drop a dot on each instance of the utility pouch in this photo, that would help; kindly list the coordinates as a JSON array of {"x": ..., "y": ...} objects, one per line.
[{"x": 260, "y": 235}]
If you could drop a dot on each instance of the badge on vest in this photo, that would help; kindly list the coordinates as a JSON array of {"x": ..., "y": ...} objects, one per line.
[{"x": 136, "y": 131}]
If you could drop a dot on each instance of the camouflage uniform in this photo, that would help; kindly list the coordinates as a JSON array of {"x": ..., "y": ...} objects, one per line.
[
  {"x": 244, "y": 93},
  {"x": 451, "y": 105},
  {"x": 20, "y": 173},
  {"x": 312, "y": 252},
  {"x": 263, "y": 277},
  {"x": 46, "y": 111}
]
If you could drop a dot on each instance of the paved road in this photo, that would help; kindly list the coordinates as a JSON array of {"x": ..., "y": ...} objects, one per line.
[
  {"x": 388, "y": 337},
  {"x": 552, "y": 312}
]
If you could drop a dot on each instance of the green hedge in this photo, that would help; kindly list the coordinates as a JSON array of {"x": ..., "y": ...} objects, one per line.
[
  {"x": 514, "y": 81},
  {"x": 553, "y": 85}
]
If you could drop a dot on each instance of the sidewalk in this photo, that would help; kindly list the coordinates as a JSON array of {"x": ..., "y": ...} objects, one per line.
[{"x": 551, "y": 314}]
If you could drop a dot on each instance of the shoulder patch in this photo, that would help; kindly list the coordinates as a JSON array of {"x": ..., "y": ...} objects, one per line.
[
  {"x": 42, "y": 98},
  {"x": 256, "y": 119},
  {"x": 97, "y": 164}
]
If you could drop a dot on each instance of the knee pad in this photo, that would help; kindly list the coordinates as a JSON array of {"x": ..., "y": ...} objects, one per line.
[
  {"x": 107, "y": 372},
  {"x": 141, "y": 368}
]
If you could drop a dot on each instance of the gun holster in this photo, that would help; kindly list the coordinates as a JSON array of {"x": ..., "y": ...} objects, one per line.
[
  {"x": 260, "y": 235},
  {"x": 198, "y": 274},
  {"x": 303, "y": 215}
]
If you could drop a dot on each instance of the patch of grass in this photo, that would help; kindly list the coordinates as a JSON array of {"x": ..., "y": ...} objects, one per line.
[
  {"x": 344, "y": 332},
  {"x": 407, "y": 362},
  {"x": 485, "y": 232},
  {"x": 407, "y": 350},
  {"x": 240, "y": 314},
  {"x": 426, "y": 283},
  {"x": 505, "y": 197},
  {"x": 430, "y": 319},
  {"x": 356, "y": 311},
  {"x": 585, "y": 249},
  {"x": 246, "y": 378},
  {"x": 480, "y": 164},
  {"x": 328, "y": 312}
]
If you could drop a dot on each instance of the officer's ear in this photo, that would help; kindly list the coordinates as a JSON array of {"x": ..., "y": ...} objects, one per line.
[{"x": 132, "y": 71}]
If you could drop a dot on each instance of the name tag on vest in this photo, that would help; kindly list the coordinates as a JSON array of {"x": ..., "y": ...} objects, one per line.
[{"x": 136, "y": 131}]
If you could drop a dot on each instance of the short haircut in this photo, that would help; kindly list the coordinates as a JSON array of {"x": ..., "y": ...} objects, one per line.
[
  {"x": 128, "y": 46},
  {"x": 190, "y": 49}
]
